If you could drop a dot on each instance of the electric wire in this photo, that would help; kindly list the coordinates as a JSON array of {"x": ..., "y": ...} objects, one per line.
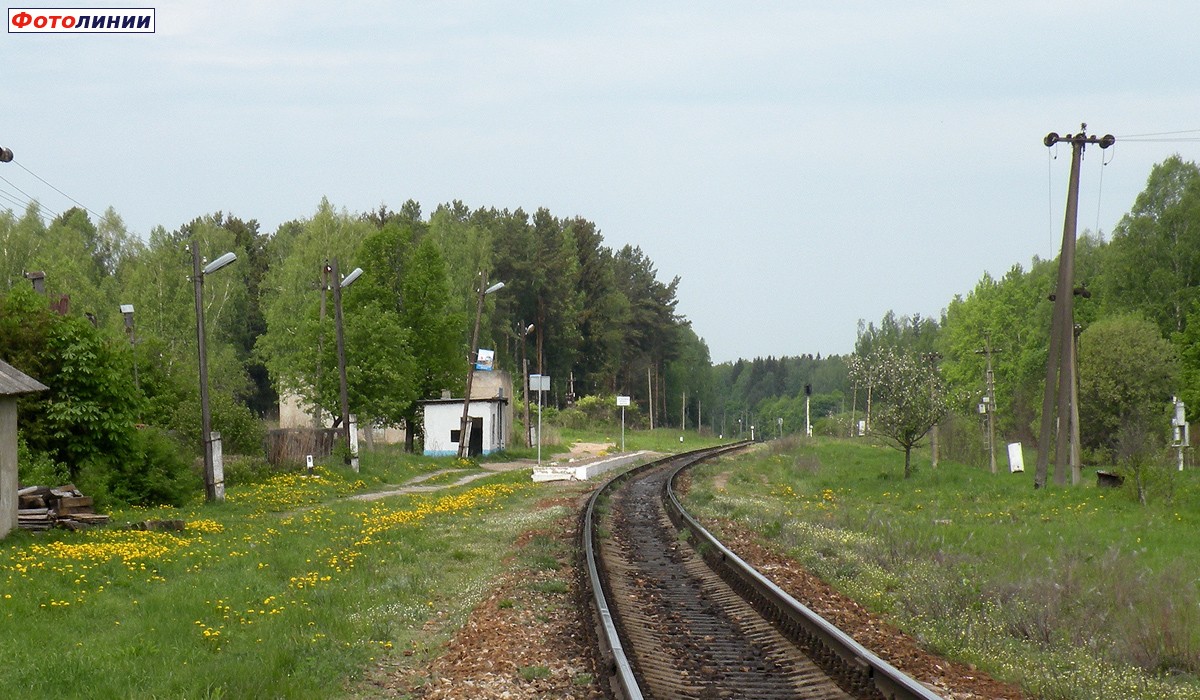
[
  {"x": 1051, "y": 156},
  {"x": 10, "y": 184},
  {"x": 1160, "y": 133},
  {"x": 39, "y": 177},
  {"x": 27, "y": 201}
]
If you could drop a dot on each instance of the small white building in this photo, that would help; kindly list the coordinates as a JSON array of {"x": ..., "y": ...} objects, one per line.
[
  {"x": 13, "y": 383},
  {"x": 443, "y": 423}
]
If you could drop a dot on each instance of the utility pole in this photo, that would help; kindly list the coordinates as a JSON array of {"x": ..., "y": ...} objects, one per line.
[
  {"x": 1060, "y": 362},
  {"x": 326, "y": 271},
  {"x": 650, "y": 396},
  {"x": 990, "y": 388}
]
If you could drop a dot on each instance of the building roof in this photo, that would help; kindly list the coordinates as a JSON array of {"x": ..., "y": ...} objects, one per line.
[
  {"x": 490, "y": 399},
  {"x": 13, "y": 381}
]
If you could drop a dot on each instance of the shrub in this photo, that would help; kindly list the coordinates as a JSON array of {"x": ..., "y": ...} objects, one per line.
[
  {"x": 38, "y": 468},
  {"x": 157, "y": 473}
]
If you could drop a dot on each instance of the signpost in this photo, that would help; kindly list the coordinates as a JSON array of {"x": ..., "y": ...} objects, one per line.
[
  {"x": 539, "y": 383},
  {"x": 622, "y": 401}
]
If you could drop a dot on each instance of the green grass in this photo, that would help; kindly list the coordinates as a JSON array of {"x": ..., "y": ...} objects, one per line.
[
  {"x": 283, "y": 591},
  {"x": 1073, "y": 592},
  {"x": 657, "y": 440}
]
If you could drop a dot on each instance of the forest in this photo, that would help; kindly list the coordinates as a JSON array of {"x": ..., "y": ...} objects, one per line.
[
  {"x": 1137, "y": 333},
  {"x": 597, "y": 321},
  {"x": 122, "y": 415}
]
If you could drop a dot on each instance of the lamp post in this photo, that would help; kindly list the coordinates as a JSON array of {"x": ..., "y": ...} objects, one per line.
[
  {"x": 214, "y": 489},
  {"x": 464, "y": 428},
  {"x": 524, "y": 332},
  {"x": 339, "y": 285}
]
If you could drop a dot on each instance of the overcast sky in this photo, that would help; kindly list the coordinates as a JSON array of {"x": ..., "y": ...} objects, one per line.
[{"x": 799, "y": 165}]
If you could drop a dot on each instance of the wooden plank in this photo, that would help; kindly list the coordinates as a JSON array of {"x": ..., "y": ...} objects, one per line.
[{"x": 75, "y": 502}]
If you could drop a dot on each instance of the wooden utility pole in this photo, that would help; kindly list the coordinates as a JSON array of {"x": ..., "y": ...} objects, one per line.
[
  {"x": 1060, "y": 362},
  {"x": 990, "y": 388},
  {"x": 650, "y": 396}
]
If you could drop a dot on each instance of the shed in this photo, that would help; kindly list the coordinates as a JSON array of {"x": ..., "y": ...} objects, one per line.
[
  {"x": 443, "y": 422},
  {"x": 13, "y": 383}
]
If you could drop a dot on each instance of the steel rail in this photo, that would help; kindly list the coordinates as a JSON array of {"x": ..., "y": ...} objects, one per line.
[
  {"x": 609, "y": 638},
  {"x": 892, "y": 683}
]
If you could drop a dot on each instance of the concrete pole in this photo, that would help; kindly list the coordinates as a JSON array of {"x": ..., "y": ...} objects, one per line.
[
  {"x": 464, "y": 430},
  {"x": 343, "y": 389},
  {"x": 1060, "y": 362},
  {"x": 210, "y": 484}
]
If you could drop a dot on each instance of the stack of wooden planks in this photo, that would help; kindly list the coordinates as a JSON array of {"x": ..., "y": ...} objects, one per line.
[{"x": 43, "y": 507}]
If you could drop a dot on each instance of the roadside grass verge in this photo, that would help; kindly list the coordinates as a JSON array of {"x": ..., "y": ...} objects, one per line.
[
  {"x": 1072, "y": 592},
  {"x": 283, "y": 591},
  {"x": 658, "y": 440}
]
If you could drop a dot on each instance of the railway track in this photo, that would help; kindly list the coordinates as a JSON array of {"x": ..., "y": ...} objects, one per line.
[{"x": 680, "y": 616}]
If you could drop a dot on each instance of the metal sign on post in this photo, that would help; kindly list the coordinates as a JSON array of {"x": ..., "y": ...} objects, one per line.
[
  {"x": 622, "y": 401},
  {"x": 539, "y": 383}
]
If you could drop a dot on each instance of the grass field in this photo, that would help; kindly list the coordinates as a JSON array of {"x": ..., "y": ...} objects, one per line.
[
  {"x": 1076, "y": 592},
  {"x": 283, "y": 591},
  {"x": 286, "y": 590}
]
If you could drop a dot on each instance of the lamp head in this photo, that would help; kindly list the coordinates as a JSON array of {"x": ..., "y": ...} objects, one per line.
[
  {"x": 219, "y": 263},
  {"x": 354, "y": 274},
  {"x": 494, "y": 288}
]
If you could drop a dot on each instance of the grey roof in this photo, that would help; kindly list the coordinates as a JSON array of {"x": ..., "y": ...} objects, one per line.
[
  {"x": 490, "y": 399},
  {"x": 13, "y": 381}
]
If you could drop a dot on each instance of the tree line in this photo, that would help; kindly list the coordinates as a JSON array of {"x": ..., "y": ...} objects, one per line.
[
  {"x": 603, "y": 323},
  {"x": 1137, "y": 323}
]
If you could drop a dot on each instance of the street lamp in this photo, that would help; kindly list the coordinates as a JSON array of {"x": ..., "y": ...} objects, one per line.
[
  {"x": 214, "y": 489},
  {"x": 464, "y": 428},
  {"x": 351, "y": 453},
  {"x": 525, "y": 331}
]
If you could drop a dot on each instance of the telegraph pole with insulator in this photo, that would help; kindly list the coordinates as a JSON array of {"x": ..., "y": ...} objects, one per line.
[{"x": 1060, "y": 362}]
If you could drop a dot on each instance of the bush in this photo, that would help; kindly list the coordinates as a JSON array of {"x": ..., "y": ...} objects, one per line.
[
  {"x": 157, "y": 473},
  {"x": 38, "y": 468},
  {"x": 241, "y": 470}
]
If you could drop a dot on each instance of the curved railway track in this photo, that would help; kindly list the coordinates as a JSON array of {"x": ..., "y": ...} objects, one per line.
[{"x": 681, "y": 616}]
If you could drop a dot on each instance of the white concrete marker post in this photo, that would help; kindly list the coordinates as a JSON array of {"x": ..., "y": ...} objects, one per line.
[{"x": 218, "y": 460}]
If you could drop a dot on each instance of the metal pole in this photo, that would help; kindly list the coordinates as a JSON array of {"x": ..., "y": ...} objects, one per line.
[
  {"x": 539, "y": 393},
  {"x": 344, "y": 392},
  {"x": 210, "y": 484}
]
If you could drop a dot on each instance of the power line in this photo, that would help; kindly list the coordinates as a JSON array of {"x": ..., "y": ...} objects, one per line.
[
  {"x": 39, "y": 177},
  {"x": 23, "y": 203},
  {"x": 1160, "y": 133}
]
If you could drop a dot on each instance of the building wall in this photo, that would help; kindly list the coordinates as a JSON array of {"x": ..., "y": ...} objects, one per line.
[
  {"x": 8, "y": 464},
  {"x": 491, "y": 385},
  {"x": 442, "y": 418},
  {"x": 294, "y": 413}
]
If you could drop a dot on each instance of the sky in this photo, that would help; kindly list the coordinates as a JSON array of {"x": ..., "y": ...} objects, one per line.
[{"x": 800, "y": 166}]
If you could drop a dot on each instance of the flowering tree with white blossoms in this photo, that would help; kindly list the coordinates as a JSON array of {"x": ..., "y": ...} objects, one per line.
[{"x": 909, "y": 397}]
